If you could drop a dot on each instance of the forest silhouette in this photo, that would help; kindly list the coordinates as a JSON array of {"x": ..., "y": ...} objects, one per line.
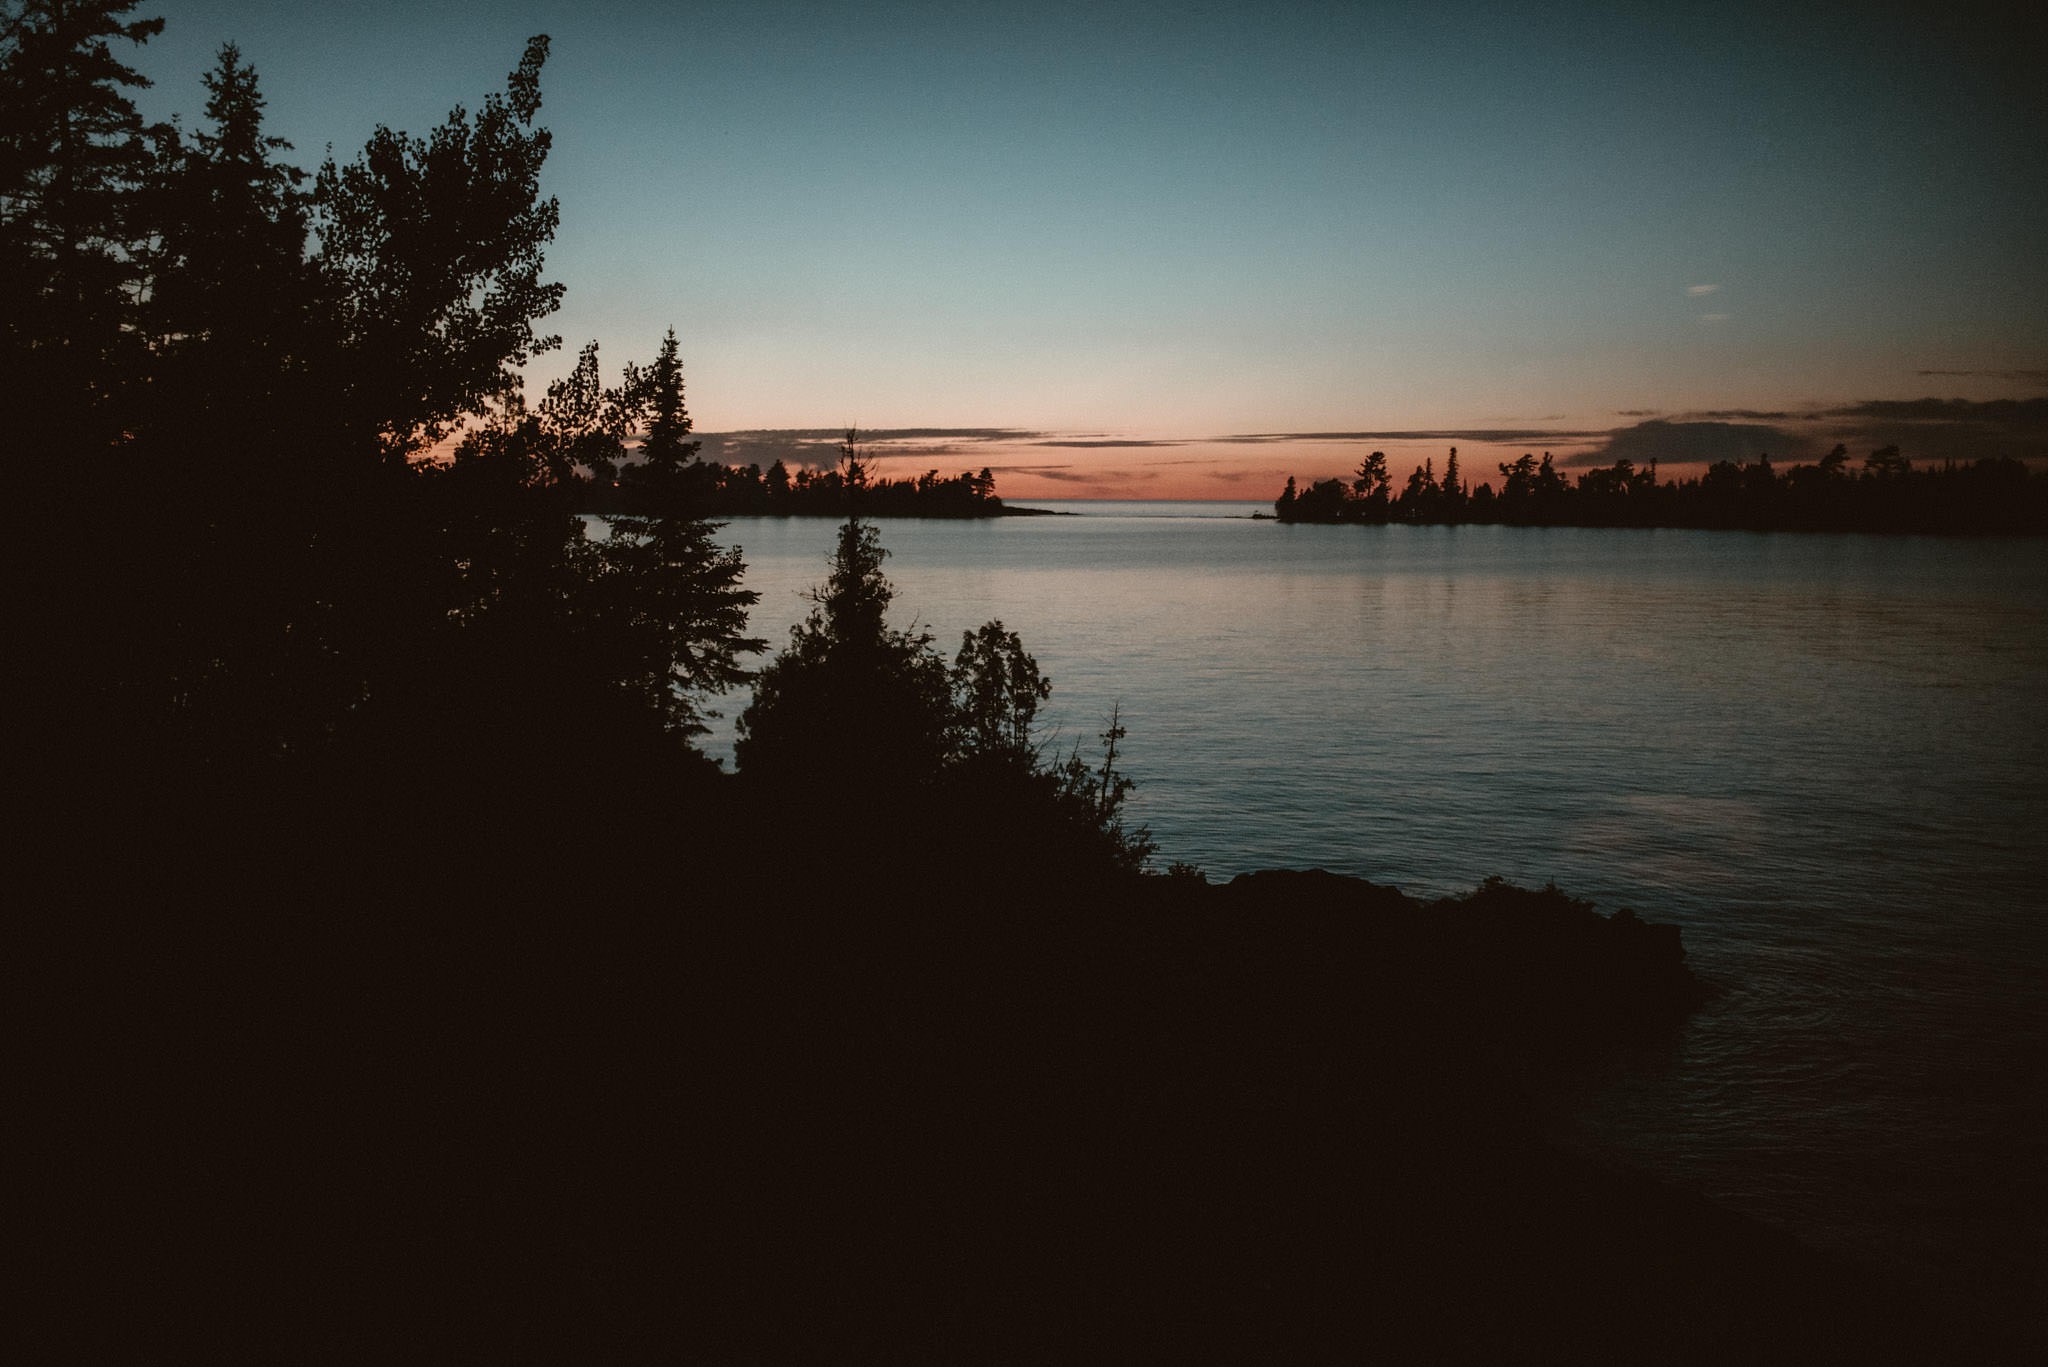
[
  {"x": 404, "y": 982},
  {"x": 1887, "y": 494}
]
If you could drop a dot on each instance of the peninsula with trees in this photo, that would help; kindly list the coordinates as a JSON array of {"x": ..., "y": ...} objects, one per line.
[
  {"x": 403, "y": 982},
  {"x": 712, "y": 489}
]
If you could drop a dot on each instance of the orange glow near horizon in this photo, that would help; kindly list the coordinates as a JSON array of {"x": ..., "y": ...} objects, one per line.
[{"x": 1236, "y": 470}]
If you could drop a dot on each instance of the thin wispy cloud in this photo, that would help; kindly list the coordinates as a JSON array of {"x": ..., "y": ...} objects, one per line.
[
  {"x": 2009, "y": 415},
  {"x": 1066, "y": 474},
  {"x": 1479, "y": 434},
  {"x": 2038, "y": 377},
  {"x": 1112, "y": 444},
  {"x": 819, "y": 446},
  {"x": 1711, "y": 318},
  {"x": 1701, "y": 291}
]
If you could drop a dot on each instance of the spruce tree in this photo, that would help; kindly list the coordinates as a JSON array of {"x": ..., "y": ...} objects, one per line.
[
  {"x": 73, "y": 156},
  {"x": 676, "y": 591},
  {"x": 1454, "y": 491},
  {"x": 667, "y": 445},
  {"x": 232, "y": 296}
]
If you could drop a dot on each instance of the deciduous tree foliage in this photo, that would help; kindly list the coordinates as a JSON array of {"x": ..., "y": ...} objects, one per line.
[
  {"x": 432, "y": 251},
  {"x": 996, "y": 692}
]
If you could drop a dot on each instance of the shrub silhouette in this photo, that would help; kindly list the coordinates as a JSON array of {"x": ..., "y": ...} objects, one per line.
[{"x": 854, "y": 705}]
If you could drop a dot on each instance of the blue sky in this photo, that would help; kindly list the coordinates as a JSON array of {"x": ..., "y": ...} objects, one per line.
[{"x": 1184, "y": 222}]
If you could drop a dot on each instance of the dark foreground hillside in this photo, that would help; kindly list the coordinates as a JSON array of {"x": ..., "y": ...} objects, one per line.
[{"x": 467, "y": 1076}]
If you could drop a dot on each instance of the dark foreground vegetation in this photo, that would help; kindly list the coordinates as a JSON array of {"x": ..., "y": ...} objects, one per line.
[
  {"x": 401, "y": 984},
  {"x": 1985, "y": 497},
  {"x": 719, "y": 1077}
]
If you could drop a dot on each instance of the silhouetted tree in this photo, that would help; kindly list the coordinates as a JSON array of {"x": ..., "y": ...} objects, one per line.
[
  {"x": 1283, "y": 507},
  {"x": 582, "y": 424},
  {"x": 997, "y": 688},
  {"x": 1518, "y": 486},
  {"x": 676, "y": 591},
  {"x": 1452, "y": 505},
  {"x": 1420, "y": 499},
  {"x": 214, "y": 489},
  {"x": 1096, "y": 797},
  {"x": 849, "y": 693},
  {"x": 231, "y": 302},
  {"x": 1374, "y": 488},
  {"x": 667, "y": 443},
  {"x": 431, "y": 249}
]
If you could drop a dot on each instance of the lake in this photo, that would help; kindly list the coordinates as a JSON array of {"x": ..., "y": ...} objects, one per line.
[{"x": 1823, "y": 756}]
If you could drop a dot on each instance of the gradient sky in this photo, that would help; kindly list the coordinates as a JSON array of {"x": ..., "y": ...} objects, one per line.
[{"x": 1481, "y": 225}]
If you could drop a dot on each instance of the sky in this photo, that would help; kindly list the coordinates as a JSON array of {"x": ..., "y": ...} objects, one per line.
[{"x": 1185, "y": 250}]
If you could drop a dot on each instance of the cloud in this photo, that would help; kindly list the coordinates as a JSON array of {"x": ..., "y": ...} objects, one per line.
[
  {"x": 1682, "y": 443},
  {"x": 1947, "y": 429},
  {"x": 1480, "y": 434},
  {"x": 1637, "y": 412},
  {"x": 2029, "y": 377},
  {"x": 816, "y": 446},
  {"x": 948, "y": 433},
  {"x": 1067, "y": 474},
  {"x": 1923, "y": 429},
  {"x": 2027, "y": 416},
  {"x": 1701, "y": 291},
  {"x": 1112, "y": 443}
]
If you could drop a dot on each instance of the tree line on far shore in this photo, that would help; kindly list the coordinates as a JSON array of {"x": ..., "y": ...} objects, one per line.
[{"x": 1888, "y": 494}]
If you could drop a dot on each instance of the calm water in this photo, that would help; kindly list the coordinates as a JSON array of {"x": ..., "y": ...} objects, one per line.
[{"x": 1823, "y": 756}]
